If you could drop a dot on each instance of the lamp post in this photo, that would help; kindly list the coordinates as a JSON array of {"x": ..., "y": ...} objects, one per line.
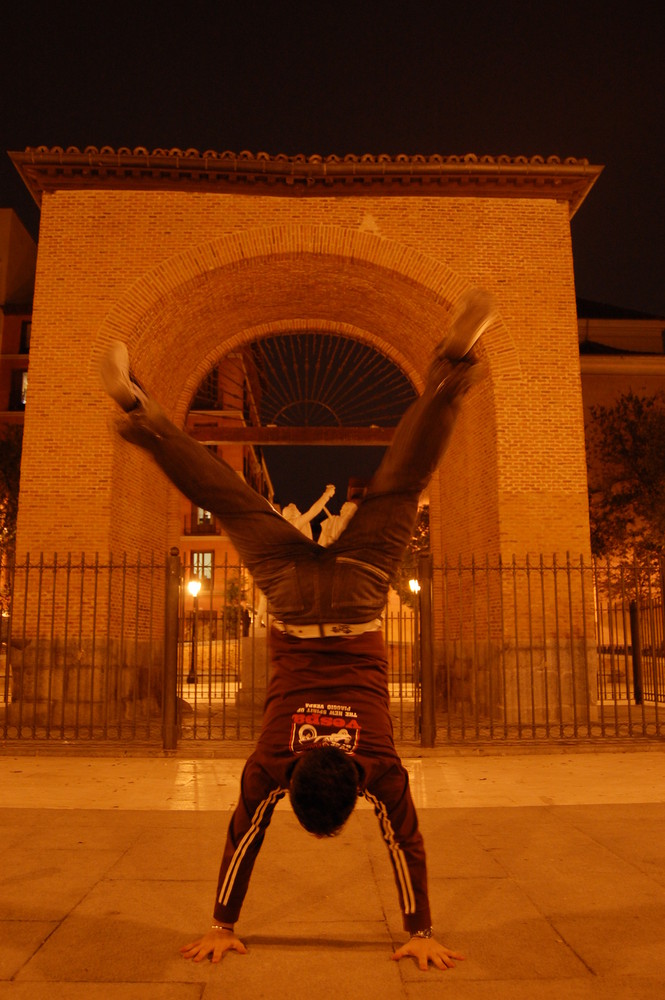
[
  {"x": 426, "y": 651},
  {"x": 194, "y": 586},
  {"x": 414, "y": 587}
]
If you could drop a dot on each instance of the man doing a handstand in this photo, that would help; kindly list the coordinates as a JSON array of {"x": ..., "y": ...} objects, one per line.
[{"x": 326, "y": 735}]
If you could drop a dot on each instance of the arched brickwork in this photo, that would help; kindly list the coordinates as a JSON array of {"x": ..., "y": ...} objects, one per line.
[
  {"x": 261, "y": 281},
  {"x": 183, "y": 277},
  {"x": 182, "y": 316}
]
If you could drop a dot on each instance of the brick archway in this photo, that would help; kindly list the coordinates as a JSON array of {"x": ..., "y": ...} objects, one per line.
[
  {"x": 182, "y": 316},
  {"x": 184, "y": 275},
  {"x": 264, "y": 281},
  {"x": 185, "y": 257}
]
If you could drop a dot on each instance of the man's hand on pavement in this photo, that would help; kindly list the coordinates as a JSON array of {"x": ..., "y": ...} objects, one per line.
[
  {"x": 426, "y": 950},
  {"x": 215, "y": 944}
]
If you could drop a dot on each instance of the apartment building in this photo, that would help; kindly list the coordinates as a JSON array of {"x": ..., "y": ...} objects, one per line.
[
  {"x": 18, "y": 256},
  {"x": 621, "y": 351}
]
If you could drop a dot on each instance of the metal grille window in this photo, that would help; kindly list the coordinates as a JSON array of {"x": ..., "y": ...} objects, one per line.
[{"x": 202, "y": 565}]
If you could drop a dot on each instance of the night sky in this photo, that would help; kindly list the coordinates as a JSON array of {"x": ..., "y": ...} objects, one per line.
[{"x": 581, "y": 79}]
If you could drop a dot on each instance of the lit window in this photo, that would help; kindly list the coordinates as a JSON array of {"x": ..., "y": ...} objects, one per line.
[
  {"x": 202, "y": 565},
  {"x": 18, "y": 389},
  {"x": 203, "y": 516}
]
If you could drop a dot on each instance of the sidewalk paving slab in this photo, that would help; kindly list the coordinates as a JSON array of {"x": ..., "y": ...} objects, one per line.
[{"x": 550, "y": 890}]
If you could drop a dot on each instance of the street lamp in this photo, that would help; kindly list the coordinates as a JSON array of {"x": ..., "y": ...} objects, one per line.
[
  {"x": 194, "y": 586},
  {"x": 414, "y": 587}
]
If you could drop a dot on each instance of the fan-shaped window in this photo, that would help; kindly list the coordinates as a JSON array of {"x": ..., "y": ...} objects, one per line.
[{"x": 308, "y": 380}]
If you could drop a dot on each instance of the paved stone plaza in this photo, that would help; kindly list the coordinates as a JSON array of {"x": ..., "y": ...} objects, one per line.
[{"x": 546, "y": 871}]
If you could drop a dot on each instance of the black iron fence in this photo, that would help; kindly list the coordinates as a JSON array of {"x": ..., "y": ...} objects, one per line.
[
  {"x": 120, "y": 650},
  {"x": 82, "y": 653}
]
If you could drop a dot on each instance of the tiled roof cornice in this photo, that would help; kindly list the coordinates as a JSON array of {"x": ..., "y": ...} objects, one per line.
[{"x": 46, "y": 170}]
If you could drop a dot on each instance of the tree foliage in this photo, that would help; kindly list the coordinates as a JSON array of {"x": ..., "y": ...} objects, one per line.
[
  {"x": 409, "y": 567},
  {"x": 626, "y": 448}
]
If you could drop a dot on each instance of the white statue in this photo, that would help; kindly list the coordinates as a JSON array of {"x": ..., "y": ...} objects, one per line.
[
  {"x": 334, "y": 524},
  {"x": 302, "y": 521}
]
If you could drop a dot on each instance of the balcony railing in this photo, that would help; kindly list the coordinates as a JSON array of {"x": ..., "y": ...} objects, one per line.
[{"x": 195, "y": 525}]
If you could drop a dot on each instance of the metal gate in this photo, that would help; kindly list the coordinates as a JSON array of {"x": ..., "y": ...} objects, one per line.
[
  {"x": 223, "y": 668},
  {"x": 119, "y": 651}
]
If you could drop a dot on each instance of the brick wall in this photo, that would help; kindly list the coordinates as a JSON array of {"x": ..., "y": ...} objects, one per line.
[{"x": 184, "y": 277}]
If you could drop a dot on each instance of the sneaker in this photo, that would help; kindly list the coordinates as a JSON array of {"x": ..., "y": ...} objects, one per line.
[
  {"x": 473, "y": 314},
  {"x": 117, "y": 380},
  {"x": 455, "y": 378}
]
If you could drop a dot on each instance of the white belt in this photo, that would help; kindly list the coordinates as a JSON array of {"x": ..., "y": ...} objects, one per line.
[{"x": 327, "y": 630}]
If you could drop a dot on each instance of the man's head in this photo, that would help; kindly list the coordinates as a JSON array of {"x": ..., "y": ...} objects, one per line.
[{"x": 323, "y": 790}]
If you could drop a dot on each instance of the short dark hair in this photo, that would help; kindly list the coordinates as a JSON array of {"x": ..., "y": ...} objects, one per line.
[{"x": 323, "y": 790}]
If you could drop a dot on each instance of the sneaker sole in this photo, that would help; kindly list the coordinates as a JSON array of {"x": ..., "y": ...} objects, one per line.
[
  {"x": 475, "y": 313},
  {"x": 114, "y": 371}
]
